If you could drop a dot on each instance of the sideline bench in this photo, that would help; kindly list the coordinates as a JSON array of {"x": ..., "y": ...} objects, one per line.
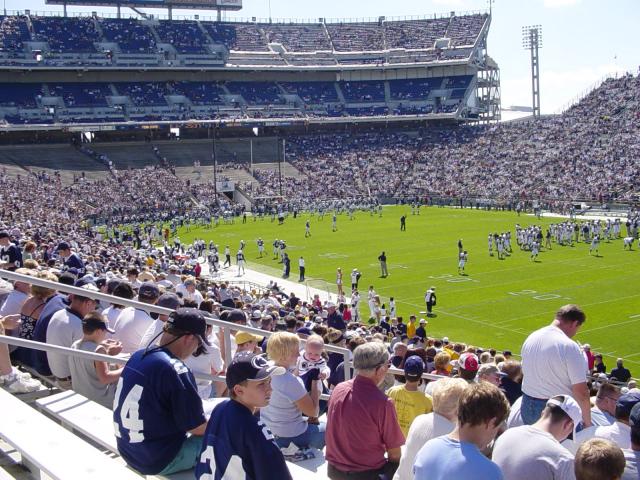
[
  {"x": 95, "y": 422},
  {"x": 47, "y": 447}
]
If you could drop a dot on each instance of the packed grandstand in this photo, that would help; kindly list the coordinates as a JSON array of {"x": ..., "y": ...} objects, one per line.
[{"x": 179, "y": 123}]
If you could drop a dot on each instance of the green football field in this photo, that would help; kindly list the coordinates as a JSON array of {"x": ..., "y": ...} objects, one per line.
[{"x": 497, "y": 304}]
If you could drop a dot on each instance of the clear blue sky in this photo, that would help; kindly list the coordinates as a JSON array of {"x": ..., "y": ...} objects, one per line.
[{"x": 583, "y": 40}]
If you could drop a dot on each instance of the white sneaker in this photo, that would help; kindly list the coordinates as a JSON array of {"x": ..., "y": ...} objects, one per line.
[
  {"x": 9, "y": 377},
  {"x": 22, "y": 385}
]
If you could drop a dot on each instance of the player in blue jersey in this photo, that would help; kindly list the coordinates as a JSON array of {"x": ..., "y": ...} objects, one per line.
[
  {"x": 157, "y": 403},
  {"x": 10, "y": 253},
  {"x": 237, "y": 444}
]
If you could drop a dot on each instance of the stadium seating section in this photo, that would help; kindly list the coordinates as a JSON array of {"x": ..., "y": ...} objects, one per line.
[
  {"x": 150, "y": 101},
  {"x": 92, "y": 35}
]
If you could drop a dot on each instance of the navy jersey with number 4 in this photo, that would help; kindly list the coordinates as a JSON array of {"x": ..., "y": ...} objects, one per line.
[
  {"x": 155, "y": 404},
  {"x": 11, "y": 254},
  {"x": 238, "y": 445}
]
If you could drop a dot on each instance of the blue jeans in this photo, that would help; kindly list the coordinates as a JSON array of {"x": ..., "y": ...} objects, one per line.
[
  {"x": 531, "y": 409},
  {"x": 313, "y": 437}
]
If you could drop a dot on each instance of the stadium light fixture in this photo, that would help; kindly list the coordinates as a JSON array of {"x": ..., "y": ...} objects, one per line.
[{"x": 532, "y": 41}]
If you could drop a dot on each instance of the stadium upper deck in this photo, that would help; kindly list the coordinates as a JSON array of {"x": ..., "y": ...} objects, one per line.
[{"x": 191, "y": 70}]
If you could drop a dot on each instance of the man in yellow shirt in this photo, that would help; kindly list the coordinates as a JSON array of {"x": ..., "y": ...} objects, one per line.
[
  {"x": 411, "y": 327},
  {"x": 410, "y": 402}
]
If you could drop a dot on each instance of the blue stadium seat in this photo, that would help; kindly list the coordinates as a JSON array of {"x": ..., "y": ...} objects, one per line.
[
  {"x": 258, "y": 93},
  {"x": 20, "y": 94},
  {"x": 143, "y": 93},
  {"x": 66, "y": 34},
  {"x": 185, "y": 36},
  {"x": 200, "y": 93},
  {"x": 363, "y": 92},
  {"x": 13, "y": 32},
  {"x": 130, "y": 35},
  {"x": 312, "y": 93},
  {"x": 81, "y": 94}
]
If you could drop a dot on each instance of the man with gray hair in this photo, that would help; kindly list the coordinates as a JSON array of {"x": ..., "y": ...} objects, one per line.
[{"x": 361, "y": 421}]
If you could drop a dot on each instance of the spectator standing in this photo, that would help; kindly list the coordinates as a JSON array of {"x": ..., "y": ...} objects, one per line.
[
  {"x": 71, "y": 260},
  {"x": 10, "y": 253},
  {"x": 382, "y": 258},
  {"x": 553, "y": 364},
  {"x": 361, "y": 420},
  {"x": 481, "y": 411},
  {"x": 533, "y": 452},
  {"x": 301, "y": 267}
]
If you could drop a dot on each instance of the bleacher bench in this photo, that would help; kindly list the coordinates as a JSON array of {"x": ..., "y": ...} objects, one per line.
[
  {"x": 95, "y": 422},
  {"x": 48, "y": 448}
]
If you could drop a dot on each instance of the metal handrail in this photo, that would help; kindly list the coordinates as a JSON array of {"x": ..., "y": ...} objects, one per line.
[{"x": 226, "y": 326}]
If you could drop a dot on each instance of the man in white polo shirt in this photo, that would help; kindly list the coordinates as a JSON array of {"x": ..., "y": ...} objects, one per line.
[
  {"x": 553, "y": 364},
  {"x": 132, "y": 322}
]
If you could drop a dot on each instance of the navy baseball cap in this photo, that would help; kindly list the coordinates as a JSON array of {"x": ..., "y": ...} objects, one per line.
[
  {"x": 63, "y": 246},
  {"x": 191, "y": 321},
  {"x": 148, "y": 290},
  {"x": 4, "y": 234},
  {"x": 168, "y": 300},
  {"x": 626, "y": 402},
  {"x": 248, "y": 366},
  {"x": 86, "y": 280},
  {"x": 413, "y": 367}
]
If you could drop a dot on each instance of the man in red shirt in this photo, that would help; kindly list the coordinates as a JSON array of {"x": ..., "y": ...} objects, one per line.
[{"x": 361, "y": 421}]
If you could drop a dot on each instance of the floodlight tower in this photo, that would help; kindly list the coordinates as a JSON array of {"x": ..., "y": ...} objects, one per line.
[{"x": 532, "y": 40}]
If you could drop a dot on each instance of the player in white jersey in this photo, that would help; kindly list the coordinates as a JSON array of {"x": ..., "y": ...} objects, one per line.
[
  {"x": 628, "y": 242},
  {"x": 490, "y": 242},
  {"x": 535, "y": 248},
  {"x": 260, "y": 244},
  {"x": 307, "y": 229},
  {"x": 595, "y": 243},
  {"x": 462, "y": 261}
]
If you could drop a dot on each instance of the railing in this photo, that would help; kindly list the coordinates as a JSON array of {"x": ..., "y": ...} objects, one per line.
[
  {"x": 225, "y": 326},
  {"x": 237, "y": 19}
]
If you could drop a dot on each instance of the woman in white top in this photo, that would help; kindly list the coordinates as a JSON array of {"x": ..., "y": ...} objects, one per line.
[{"x": 339, "y": 282}]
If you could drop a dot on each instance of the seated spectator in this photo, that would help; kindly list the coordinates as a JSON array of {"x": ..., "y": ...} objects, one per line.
[
  {"x": 598, "y": 364},
  {"x": 481, "y": 411},
  {"x": 488, "y": 372},
  {"x": 511, "y": 381},
  {"x": 441, "y": 421},
  {"x": 337, "y": 376},
  {"x": 234, "y": 432},
  {"x": 618, "y": 432},
  {"x": 363, "y": 435},
  {"x": 538, "y": 454},
  {"x": 91, "y": 378},
  {"x": 65, "y": 328},
  {"x": 11, "y": 378},
  {"x": 632, "y": 455},
  {"x": 133, "y": 322},
  {"x": 290, "y": 400},
  {"x": 620, "y": 373},
  {"x": 157, "y": 401},
  {"x": 604, "y": 411},
  {"x": 599, "y": 459},
  {"x": 408, "y": 401},
  {"x": 468, "y": 366},
  {"x": 153, "y": 332}
]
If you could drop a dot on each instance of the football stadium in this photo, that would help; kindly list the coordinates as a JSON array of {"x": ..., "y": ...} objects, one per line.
[{"x": 203, "y": 212}]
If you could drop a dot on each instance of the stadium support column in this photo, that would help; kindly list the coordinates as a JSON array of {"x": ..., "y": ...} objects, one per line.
[
  {"x": 532, "y": 41},
  {"x": 215, "y": 163}
]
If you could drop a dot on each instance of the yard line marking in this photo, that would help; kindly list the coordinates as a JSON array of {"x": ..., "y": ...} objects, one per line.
[{"x": 611, "y": 325}]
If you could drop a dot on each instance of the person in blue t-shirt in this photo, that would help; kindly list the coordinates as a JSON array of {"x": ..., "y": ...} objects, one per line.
[
  {"x": 236, "y": 443},
  {"x": 70, "y": 259},
  {"x": 482, "y": 408},
  {"x": 157, "y": 403}
]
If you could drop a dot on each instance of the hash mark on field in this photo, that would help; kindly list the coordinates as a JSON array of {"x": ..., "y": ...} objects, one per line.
[
  {"x": 611, "y": 325},
  {"x": 635, "y": 316}
]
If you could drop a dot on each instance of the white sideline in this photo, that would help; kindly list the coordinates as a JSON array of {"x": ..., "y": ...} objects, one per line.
[{"x": 50, "y": 448}]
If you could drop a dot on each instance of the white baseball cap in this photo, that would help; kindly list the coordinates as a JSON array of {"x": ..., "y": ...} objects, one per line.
[{"x": 568, "y": 406}]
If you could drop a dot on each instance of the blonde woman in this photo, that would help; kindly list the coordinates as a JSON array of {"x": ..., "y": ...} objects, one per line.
[
  {"x": 290, "y": 402},
  {"x": 339, "y": 282}
]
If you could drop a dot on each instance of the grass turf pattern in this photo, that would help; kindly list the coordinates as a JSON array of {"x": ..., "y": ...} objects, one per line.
[{"x": 497, "y": 304}]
